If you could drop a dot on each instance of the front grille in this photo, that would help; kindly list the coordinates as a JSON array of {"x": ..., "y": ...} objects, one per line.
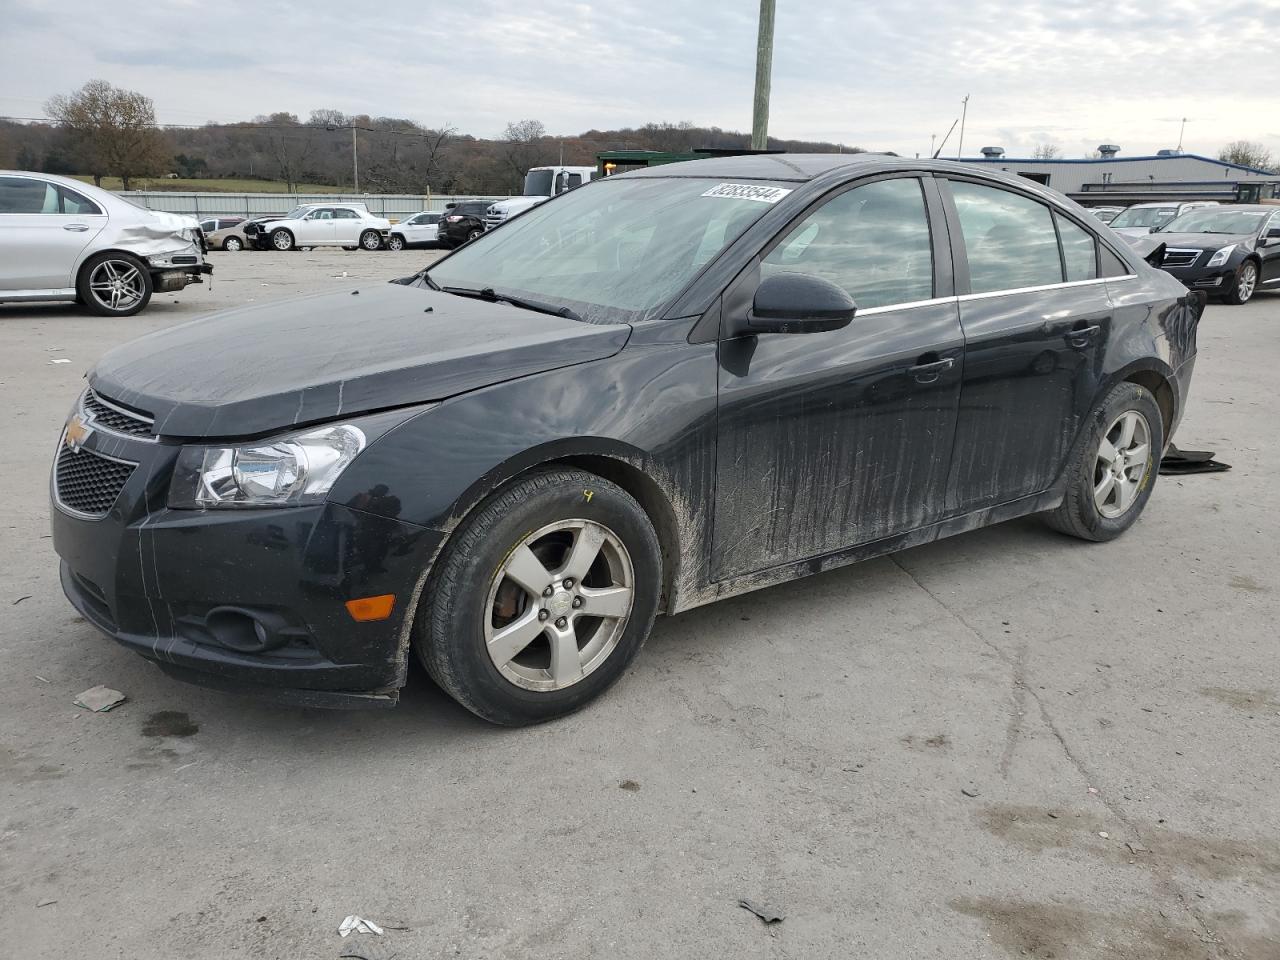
[
  {"x": 1180, "y": 258},
  {"x": 110, "y": 416},
  {"x": 88, "y": 483}
]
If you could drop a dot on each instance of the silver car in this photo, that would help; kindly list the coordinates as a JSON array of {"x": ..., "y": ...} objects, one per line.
[{"x": 61, "y": 239}]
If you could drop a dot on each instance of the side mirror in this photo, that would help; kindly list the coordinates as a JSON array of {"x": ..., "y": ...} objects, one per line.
[{"x": 797, "y": 303}]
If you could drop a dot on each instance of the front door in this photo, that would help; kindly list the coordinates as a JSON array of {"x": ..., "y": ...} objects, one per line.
[
  {"x": 1269, "y": 251},
  {"x": 316, "y": 228},
  {"x": 43, "y": 230},
  {"x": 1036, "y": 318},
  {"x": 828, "y": 440}
]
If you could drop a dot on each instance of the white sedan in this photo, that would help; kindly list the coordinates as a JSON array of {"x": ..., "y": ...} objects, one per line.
[
  {"x": 321, "y": 225},
  {"x": 61, "y": 239}
]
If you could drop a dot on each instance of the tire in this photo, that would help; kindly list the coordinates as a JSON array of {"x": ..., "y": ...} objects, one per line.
[
  {"x": 1089, "y": 511},
  {"x": 350, "y": 248},
  {"x": 232, "y": 244},
  {"x": 371, "y": 240},
  {"x": 281, "y": 240},
  {"x": 1245, "y": 284},
  {"x": 470, "y": 598},
  {"x": 114, "y": 277},
  {"x": 477, "y": 232},
  {"x": 396, "y": 243}
]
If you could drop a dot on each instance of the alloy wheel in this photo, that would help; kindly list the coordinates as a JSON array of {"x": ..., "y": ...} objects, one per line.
[
  {"x": 1247, "y": 281},
  {"x": 559, "y": 604},
  {"x": 395, "y": 244},
  {"x": 371, "y": 241},
  {"x": 117, "y": 284},
  {"x": 1122, "y": 460},
  {"x": 281, "y": 240}
]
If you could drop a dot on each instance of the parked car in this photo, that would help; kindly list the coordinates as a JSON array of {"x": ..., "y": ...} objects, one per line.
[
  {"x": 61, "y": 239},
  {"x": 1228, "y": 251},
  {"x": 462, "y": 221},
  {"x": 1142, "y": 218},
  {"x": 224, "y": 233},
  {"x": 1106, "y": 214},
  {"x": 748, "y": 370},
  {"x": 420, "y": 230},
  {"x": 320, "y": 225}
]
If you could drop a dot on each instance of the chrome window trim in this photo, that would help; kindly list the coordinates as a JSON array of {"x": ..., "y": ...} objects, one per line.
[
  {"x": 959, "y": 298},
  {"x": 909, "y": 305}
]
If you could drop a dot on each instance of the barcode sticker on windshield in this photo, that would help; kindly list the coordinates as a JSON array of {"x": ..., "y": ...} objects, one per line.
[{"x": 747, "y": 191}]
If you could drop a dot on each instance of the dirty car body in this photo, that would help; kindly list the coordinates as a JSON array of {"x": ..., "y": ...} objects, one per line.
[
  {"x": 54, "y": 229},
  {"x": 953, "y": 399}
]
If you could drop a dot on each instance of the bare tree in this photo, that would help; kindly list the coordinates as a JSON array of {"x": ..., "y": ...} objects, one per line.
[
  {"x": 1046, "y": 151},
  {"x": 114, "y": 131},
  {"x": 1248, "y": 154},
  {"x": 524, "y": 147},
  {"x": 289, "y": 145}
]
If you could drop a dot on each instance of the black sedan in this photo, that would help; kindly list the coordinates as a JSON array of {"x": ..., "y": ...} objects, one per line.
[
  {"x": 662, "y": 389},
  {"x": 1229, "y": 251}
]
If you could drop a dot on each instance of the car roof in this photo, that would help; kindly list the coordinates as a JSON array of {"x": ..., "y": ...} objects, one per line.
[{"x": 795, "y": 167}]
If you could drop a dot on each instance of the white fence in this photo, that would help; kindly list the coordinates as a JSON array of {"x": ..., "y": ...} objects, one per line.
[{"x": 395, "y": 206}]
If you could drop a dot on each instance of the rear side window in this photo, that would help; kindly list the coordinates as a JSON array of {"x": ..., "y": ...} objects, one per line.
[
  {"x": 73, "y": 203},
  {"x": 1079, "y": 251},
  {"x": 1009, "y": 239},
  {"x": 872, "y": 240},
  {"x": 342, "y": 213}
]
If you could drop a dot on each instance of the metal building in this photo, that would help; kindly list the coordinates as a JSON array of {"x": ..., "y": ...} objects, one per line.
[{"x": 1112, "y": 179}]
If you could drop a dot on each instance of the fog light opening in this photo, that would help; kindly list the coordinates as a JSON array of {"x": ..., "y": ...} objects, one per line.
[{"x": 240, "y": 630}]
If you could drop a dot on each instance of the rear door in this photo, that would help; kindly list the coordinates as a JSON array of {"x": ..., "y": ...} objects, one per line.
[
  {"x": 1036, "y": 319},
  {"x": 44, "y": 228},
  {"x": 347, "y": 226},
  {"x": 828, "y": 440}
]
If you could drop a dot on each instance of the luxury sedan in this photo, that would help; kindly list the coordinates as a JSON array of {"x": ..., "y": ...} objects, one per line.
[
  {"x": 1229, "y": 251},
  {"x": 61, "y": 239},
  {"x": 659, "y": 390}
]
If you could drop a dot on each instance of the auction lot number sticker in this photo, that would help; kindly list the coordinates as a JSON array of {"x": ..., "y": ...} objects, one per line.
[{"x": 747, "y": 191}]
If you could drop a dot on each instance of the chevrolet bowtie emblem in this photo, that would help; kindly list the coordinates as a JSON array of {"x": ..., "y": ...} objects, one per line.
[{"x": 78, "y": 431}]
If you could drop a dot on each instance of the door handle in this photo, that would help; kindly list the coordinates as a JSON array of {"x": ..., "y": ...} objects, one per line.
[
  {"x": 75, "y": 227},
  {"x": 1080, "y": 338},
  {"x": 929, "y": 372}
]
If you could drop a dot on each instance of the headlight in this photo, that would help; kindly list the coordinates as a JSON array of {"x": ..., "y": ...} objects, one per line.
[
  {"x": 296, "y": 469},
  {"x": 1219, "y": 258}
]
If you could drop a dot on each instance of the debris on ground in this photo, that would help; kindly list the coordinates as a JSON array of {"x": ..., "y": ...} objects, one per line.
[
  {"x": 45, "y": 903},
  {"x": 969, "y": 791},
  {"x": 631, "y": 785},
  {"x": 100, "y": 699},
  {"x": 41, "y": 679},
  {"x": 1176, "y": 462},
  {"x": 1104, "y": 835},
  {"x": 368, "y": 950},
  {"x": 60, "y": 360},
  {"x": 354, "y": 924},
  {"x": 762, "y": 910},
  {"x": 20, "y": 599}
]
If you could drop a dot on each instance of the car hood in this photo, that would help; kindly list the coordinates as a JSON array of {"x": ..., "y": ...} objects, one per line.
[
  {"x": 1129, "y": 233},
  {"x": 1200, "y": 241},
  {"x": 271, "y": 366}
]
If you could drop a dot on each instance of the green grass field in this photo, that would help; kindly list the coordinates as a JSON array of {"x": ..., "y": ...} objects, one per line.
[{"x": 214, "y": 185}]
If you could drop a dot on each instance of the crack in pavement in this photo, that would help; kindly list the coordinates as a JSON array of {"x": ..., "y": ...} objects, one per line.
[{"x": 1017, "y": 665}]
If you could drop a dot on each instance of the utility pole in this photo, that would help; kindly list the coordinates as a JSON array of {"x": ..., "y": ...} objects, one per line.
[
  {"x": 963, "y": 114},
  {"x": 764, "y": 71},
  {"x": 933, "y": 139},
  {"x": 355, "y": 159}
]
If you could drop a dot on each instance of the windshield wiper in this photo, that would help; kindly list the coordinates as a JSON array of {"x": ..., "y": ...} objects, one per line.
[{"x": 489, "y": 294}]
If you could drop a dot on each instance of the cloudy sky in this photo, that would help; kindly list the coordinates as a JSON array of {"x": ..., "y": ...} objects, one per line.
[{"x": 880, "y": 75}]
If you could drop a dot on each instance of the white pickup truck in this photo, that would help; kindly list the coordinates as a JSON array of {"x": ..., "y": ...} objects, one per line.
[{"x": 540, "y": 184}]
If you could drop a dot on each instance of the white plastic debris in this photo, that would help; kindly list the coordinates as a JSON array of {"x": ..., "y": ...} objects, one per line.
[
  {"x": 60, "y": 360},
  {"x": 100, "y": 699},
  {"x": 354, "y": 924}
]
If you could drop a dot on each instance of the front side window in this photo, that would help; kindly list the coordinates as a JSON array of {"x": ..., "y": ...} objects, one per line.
[
  {"x": 1009, "y": 239},
  {"x": 872, "y": 240},
  {"x": 615, "y": 251},
  {"x": 1079, "y": 252}
]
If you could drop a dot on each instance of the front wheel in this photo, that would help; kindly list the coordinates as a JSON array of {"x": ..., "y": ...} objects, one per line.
[
  {"x": 396, "y": 243},
  {"x": 282, "y": 240},
  {"x": 114, "y": 285},
  {"x": 1246, "y": 282},
  {"x": 371, "y": 240},
  {"x": 542, "y": 598},
  {"x": 1113, "y": 467}
]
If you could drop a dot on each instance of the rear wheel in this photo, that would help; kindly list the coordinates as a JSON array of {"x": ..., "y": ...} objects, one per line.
[
  {"x": 371, "y": 240},
  {"x": 1246, "y": 282},
  {"x": 475, "y": 232},
  {"x": 232, "y": 244},
  {"x": 282, "y": 240},
  {"x": 114, "y": 285},
  {"x": 542, "y": 598},
  {"x": 1113, "y": 468}
]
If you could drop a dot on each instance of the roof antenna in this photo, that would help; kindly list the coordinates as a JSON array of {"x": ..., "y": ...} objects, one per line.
[{"x": 946, "y": 138}]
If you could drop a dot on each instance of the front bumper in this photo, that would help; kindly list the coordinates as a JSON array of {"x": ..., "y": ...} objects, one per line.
[
  {"x": 175, "y": 586},
  {"x": 1212, "y": 280}
]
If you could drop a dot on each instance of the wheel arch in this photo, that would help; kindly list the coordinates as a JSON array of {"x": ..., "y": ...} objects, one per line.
[{"x": 1161, "y": 387}]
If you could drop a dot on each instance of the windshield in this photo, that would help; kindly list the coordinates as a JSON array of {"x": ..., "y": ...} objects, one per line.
[
  {"x": 537, "y": 183},
  {"x": 297, "y": 213},
  {"x": 615, "y": 251},
  {"x": 1217, "y": 221},
  {"x": 1145, "y": 217}
]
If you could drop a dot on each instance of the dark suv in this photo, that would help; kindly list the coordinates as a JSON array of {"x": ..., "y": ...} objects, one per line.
[{"x": 462, "y": 221}]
